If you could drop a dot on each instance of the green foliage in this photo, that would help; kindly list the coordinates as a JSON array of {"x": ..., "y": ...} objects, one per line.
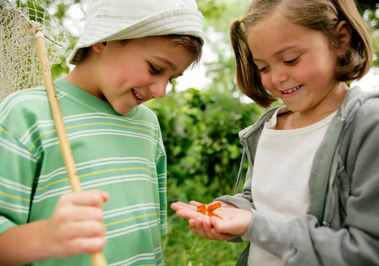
[
  {"x": 218, "y": 16},
  {"x": 371, "y": 15},
  {"x": 181, "y": 247},
  {"x": 200, "y": 130}
]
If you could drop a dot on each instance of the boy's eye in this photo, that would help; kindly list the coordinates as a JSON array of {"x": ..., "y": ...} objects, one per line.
[
  {"x": 154, "y": 70},
  {"x": 292, "y": 61}
]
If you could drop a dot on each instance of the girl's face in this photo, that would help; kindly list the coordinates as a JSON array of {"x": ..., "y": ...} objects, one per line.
[
  {"x": 296, "y": 64},
  {"x": 137, "y": 70}
]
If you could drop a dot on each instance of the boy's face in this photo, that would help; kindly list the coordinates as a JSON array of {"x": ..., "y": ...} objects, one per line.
[{"x": 134, "y": 71}]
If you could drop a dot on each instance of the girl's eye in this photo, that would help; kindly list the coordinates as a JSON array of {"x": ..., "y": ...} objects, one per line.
[
  {"x": 292, "y": 61},
  {"x": 263, "y": 69}
]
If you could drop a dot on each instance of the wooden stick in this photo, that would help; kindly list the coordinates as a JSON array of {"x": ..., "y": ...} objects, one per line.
[{"x": 97, "y": 258}]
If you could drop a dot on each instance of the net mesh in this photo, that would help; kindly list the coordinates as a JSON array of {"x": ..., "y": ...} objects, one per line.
[{"x": 19, "y": 64}]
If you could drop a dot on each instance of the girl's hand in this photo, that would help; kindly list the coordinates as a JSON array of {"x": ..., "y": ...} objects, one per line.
[
  {"x": 76, "y": 225},
  {"x": 234, "y": 221}
]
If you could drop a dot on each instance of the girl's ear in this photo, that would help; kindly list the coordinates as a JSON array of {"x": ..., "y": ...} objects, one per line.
[{"x": 342, "y": 35}]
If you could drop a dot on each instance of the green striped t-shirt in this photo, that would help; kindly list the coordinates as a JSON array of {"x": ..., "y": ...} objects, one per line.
[{"x": 120, "y": 154}]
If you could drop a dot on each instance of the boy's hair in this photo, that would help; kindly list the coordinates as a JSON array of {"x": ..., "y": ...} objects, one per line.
[
  {"x": 319, "y": 15},
  {"x": 112, "y": 20},
  {"x": 191, "y": 43}
]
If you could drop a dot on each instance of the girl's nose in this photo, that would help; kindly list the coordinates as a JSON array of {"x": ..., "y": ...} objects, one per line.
[
  {"x": 278, "y": 76},
  {"x": 158, "y": 88}
]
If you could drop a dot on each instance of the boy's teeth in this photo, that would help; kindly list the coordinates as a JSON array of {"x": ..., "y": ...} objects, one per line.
[{"x": 139, "y": 97}]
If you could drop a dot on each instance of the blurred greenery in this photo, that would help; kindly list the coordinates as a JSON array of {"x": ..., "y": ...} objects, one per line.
[
  {"x": 370, "y": 11},
  {"x": 200, "y": 128},
  {"x": 200, "y": 131},
  {"x": 183, "y": 248}
]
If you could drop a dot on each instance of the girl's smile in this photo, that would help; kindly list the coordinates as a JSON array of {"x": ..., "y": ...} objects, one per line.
[
  {"x": 291, "y": 92},
  {"x": 297, "y": 65}
]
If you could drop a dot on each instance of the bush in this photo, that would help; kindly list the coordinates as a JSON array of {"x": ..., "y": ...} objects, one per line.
[{"x": 200, "y": 132}]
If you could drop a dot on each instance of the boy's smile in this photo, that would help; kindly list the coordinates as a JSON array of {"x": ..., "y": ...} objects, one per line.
[
  {"x": 139, "y": 97},
  {"x": 128, "y": 73}
]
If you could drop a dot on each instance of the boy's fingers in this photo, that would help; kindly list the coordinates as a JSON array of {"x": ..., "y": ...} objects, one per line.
[
  {"x": 87, "y": 245},
  {"x": 86, "y": 198},
  {"x": 86, "y": 229},
  {"x": 82, "y": 213}
]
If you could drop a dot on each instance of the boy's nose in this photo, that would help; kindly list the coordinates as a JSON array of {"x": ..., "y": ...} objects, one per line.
[{"x": 158, "y": 88}]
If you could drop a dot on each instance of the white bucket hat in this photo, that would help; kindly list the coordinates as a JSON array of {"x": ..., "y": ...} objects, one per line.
[{"x": 110, "y": 20}]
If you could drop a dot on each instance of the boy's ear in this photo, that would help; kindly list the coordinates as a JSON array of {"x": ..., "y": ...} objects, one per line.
[
  {"x": 342, "y": 35},
  {"x": 98, "y": 47}
]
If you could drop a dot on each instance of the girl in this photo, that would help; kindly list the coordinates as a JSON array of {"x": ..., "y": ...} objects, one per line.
[{"x": 311, "y": 193}]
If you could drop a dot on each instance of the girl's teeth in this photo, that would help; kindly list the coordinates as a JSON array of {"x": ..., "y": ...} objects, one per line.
[{"x": 291, "y": 90}]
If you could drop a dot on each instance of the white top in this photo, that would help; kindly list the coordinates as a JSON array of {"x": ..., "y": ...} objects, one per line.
[{"x": 281, "y": 172}]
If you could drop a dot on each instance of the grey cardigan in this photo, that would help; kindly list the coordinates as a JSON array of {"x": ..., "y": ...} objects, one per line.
[{"x": 342, "y": 224}]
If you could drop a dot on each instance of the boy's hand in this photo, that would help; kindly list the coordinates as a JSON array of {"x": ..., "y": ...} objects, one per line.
[
  {"x": 76, "y": 225},
  {"x": 234, "y": 221}
]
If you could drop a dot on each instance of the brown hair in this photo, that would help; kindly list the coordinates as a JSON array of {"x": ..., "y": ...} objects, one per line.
[
  {"x": 191, "y": 43},
  {"x": 320, "y": 15}
]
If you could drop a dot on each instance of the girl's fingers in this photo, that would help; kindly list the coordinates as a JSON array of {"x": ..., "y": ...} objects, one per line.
[
  {"x": 186, "y": 211},
  {"x": 189, "y": 213},
  {"x": 229, "y": 223},
  {"x": 180, "y": 205},
  {"x": 195, "y": 203},
  {"x": 204, "y": 228}
]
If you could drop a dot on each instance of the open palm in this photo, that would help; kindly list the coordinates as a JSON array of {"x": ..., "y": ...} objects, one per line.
[{"x": 233, "y": 222}]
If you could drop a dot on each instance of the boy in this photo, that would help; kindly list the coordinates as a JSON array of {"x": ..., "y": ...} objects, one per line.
[{"x": 127, "y": 54}]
